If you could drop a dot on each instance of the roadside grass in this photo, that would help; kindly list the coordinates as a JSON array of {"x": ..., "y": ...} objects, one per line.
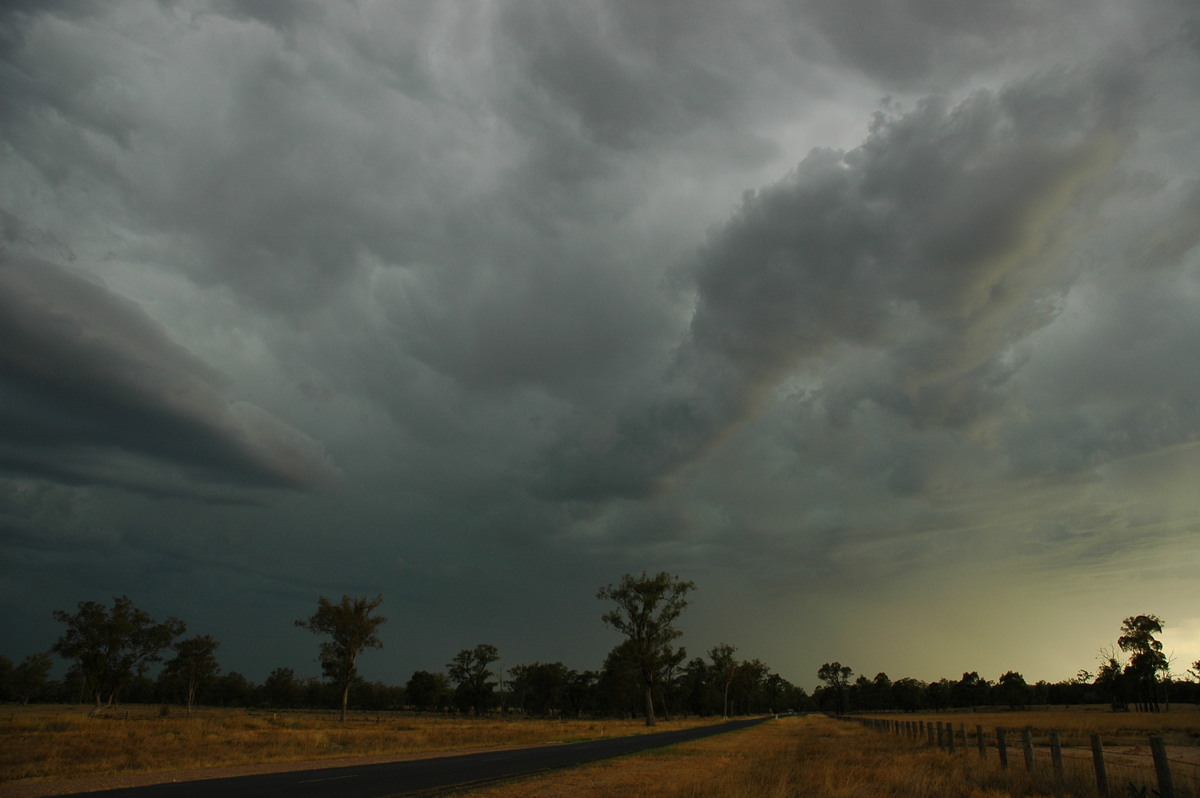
[
  {"x": 749, "y": 762},
  {"x": 59, "y": 742},
  {"x": 814, "y": 756},
  {"x": 1124, "y": 737}
]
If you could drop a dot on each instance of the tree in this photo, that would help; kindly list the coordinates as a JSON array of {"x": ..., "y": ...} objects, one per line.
[
  {"x": 646, "y": 609},
  {"x": 873, "y": 694},
  {"x": 541, "y": 688},
  {"x": 29, "y": 678},
  {"x": 778, "y": 692},
  {"x": 1111, "y": 681},
  {"x": 232, "y": 690},
  {"x": 938, "y": 694},
  {"x": 725, "y": 668},
  {"x": 6, "y": 670},
  {"x": 1012, "y": 689},
  {"x": 619, "y": 683},
  {"x": 881, "y": 688},
  {"x": 469, "y": 670},
  {"x": 837, "y": 676},
  {"x": 110, "y": 648},
  {"x": 428, "y": 691},
  {"x": 1146, "y": 659},
  {"x": 669, "y": 673},
  {"x": 352, "y": 628},
  {"x": 748, "y": 688},
  {"x": 282, "y": 690},
  {"x": 909, "y": 694},
  {"x": 971, "y": 690},
  {"x": 195, "y": 663},
  {"x": 581, "y": 692}
]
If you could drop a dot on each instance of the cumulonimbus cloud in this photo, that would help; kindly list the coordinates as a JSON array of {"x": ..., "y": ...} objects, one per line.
[
  {"x": 938, "y": 239},
  {"x": 95, "y": 391}
]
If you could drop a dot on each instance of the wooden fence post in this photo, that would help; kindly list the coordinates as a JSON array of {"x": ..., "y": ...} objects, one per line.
[
  {"x": 1027, "y": 744},
  {"x": 1001, "y": 747},
  {"x": 962, "y": 734},
  {"x": 929, "y": 730},
  {"x": 1166, "y": 787},
  {"x": 950, "y": 738},
  {"x": 1056, "y": 755},
  {"x": 941, "y": 735},
  {"x": 1098, "y": 764},
  {"x": 979, "y": 739}
]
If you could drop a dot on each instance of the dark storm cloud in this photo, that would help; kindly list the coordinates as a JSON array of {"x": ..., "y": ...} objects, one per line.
[
  {"x": 94, "y": 391},
  {"x": 936, "y": 43},
  {"x": 1089, "y": 402},
  {"x": 261, "y": 167},
  {"x": 935, "y": 238},
  {"x": 281, "y": 14},
  {"x": 913, "y": 40},
  {"x": 617, "y": 71},
  {"x": 463, "y": 245},
  {"x": 287, "y": 173}
]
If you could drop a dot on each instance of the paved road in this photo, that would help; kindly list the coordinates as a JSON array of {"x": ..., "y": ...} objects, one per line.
[{"x": 420, "y": 776}]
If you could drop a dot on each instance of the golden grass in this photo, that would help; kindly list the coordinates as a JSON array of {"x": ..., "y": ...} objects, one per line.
[
  {"x": 816, "y": 757},
  {"x": 809, "y": 756},
  {"x": 1124, "y": 736},
  {"x": 1180, "y": 725},
  {"x": 59, "y": 743},
  {"x": 748, "y": 762}
]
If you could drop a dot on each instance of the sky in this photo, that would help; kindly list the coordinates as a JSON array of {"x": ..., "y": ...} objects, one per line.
[{"x": 877, "y": 321}]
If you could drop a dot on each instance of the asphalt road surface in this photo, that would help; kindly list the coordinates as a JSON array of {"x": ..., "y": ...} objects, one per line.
[{"x": 420, "y": 776}]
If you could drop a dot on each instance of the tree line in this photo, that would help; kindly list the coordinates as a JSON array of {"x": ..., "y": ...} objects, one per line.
[
  {"x": 110, "y": 651},
  {"x": 1133, "y": 675}
]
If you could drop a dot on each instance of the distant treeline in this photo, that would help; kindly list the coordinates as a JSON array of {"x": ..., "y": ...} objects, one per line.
[
  {"x": 110, "y": 651},
  {"x": 880, "y": 693},
  {"x": 539, "y": 689},
  {"x": 1133, "y": 674},
  {"x": 547, "y": 689}
]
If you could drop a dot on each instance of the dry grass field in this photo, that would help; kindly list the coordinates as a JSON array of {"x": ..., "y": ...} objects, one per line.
[
  {"x": 750, "y": 762},
  {"x": 58, "y": 743},
  {"x": 812, "y": 756},
  {"x": 818, "y": 757},
  {"x": 1124, "y": 736},
  {"x": 1179, "y": 725}
]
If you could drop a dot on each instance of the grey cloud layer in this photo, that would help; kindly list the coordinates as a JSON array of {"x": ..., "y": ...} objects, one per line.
[
  {"x": 492, "y": 258},
  {"x": 93, "y": 388},
  {"x": 935, "y": 239}
]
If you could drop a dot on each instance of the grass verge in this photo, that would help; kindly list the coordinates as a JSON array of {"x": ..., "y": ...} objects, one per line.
[
  {"x": 813, "y": 756},
  {"x": 59, "y": 743}
]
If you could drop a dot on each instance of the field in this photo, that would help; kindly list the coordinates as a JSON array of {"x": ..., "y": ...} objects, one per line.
[
  {"x": 57, "y": 743},
  {"x": 819, "y": 757},
  {"x": 1179, "y": 725},
  {"x": 810, "y": 756}
]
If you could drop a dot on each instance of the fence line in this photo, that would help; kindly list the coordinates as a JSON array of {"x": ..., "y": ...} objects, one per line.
[{"x": 942, "y": 734}]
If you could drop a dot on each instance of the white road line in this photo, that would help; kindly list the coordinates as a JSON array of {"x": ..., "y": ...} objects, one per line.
[{"x": 330, "y": 778}]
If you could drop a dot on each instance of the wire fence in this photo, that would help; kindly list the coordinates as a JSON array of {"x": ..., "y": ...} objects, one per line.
[{"x": 1141, "y": 766}]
